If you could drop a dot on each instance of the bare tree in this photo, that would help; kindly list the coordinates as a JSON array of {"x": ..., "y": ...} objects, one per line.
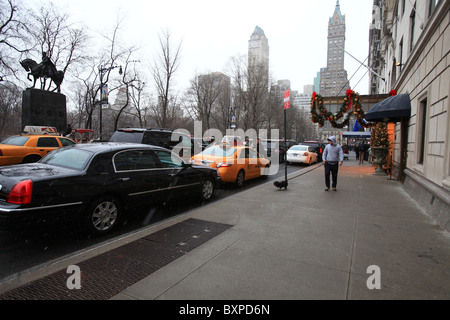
[
  {"x": 10, "y": 110},
  {"x": 257, "y": 95},
  {"x": 129, "y": 78},
  {"x": 100, "y": 69},
  {"x": 63, "y": 42},
  {"x": 164, "y": 67},
  {"x": 204, "y": 95},
  {"x": 140, "y": 101},
  {"x": 239, "y": 100},
  {"x": 250, "y": 92},
  {"x": 13, "y": 38}
]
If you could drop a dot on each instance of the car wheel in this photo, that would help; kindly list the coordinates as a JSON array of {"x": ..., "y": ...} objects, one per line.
[
  {"x": 207, "y": 191},
  {"x": 240, "y": 179},
  {"x": 266, "y": 172},
  {"x": 103, "y": 215}
]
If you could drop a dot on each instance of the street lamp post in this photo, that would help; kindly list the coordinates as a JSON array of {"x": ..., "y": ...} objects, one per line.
[{"x": 104, "y": 94}]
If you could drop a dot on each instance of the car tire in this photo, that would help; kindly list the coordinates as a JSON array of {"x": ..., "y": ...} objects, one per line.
[
  {"x": 266, "y": 172},
  {"x": 103, "y": 215},
  {"x": 207, "y": 190},
  {"x": 240, "y": 179}
]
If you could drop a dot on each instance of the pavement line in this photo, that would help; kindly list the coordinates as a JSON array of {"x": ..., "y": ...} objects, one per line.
[{"x": 353, "y": 245}]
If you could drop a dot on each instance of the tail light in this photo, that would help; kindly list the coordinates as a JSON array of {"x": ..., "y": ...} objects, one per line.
[
  {"x": 21, "y": 193},
  {"x": 306, "y": 154},
  {"x": 224, "y": 165},
  {"x": 1, "y": 153}
]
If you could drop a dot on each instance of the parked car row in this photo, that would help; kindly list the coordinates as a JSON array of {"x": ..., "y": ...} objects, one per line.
[{"x": 96, "y": 184}]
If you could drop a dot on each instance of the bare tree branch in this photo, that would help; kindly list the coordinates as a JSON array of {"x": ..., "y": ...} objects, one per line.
[
  {"x": 164, "y": 67},
  {"x": 13, "y": 39}
]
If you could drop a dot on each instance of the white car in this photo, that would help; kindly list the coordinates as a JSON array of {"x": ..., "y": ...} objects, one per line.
[{"x": 301, "y": 154}]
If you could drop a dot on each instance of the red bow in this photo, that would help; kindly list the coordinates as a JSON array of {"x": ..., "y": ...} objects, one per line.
[{"x": 349, "y": 95}]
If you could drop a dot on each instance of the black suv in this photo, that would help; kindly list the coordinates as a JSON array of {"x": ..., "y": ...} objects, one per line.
[
  {"x": 318, "y": 148},
  {"x": 158, "y": 137},
  {"x": 277, "y": 146}
]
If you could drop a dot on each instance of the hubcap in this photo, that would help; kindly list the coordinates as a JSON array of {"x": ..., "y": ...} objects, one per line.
[
  {"x": 240, "y": 178},
  {"x": 104, "y": 216},
  {"x": 208, "y": 189}
]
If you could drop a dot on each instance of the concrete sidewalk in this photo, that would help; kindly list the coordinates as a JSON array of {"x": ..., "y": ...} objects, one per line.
[{"x": 305, "y": 243}]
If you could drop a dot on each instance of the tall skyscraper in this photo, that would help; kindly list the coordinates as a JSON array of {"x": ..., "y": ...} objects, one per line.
[
  {"x": 333, "y": 78},
  {"x": 258, "y": 48}
]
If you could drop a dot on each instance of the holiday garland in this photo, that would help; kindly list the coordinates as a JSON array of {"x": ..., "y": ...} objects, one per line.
[{"x": 350, "y": 99}]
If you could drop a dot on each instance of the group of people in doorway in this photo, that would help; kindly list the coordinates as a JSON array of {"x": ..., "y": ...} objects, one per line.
[{"x": 363, "y": 152}]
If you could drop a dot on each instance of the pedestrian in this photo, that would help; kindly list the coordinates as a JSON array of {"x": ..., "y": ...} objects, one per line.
[
  {"x": 333, "y": 157},
  {"x": 361, "y": 151}
]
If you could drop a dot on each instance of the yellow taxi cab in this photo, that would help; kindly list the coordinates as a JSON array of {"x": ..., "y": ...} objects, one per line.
[
  {"x": 235, "y": 164},
  {"x": 31, "y": 146}
]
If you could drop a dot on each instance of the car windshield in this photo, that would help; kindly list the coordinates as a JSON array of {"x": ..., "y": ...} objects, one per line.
[
  {"x": 299, "y": 148},
  {"x": 15, "y": 140},
  {"x": 219, "y": 152},
  {"x": 68, "y": 158}
]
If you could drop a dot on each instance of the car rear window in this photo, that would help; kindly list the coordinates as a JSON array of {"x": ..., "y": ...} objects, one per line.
[
  {"x": 127, "y": 136},
  {"x": 162, "y": 139},
  {"x": 15, "y": 140},
  {"x": 299, "y": 148},
  {"x": 65, "y": 142},
  {"x": 69, "y": 158},
  {"x": 47, "y": 142}
]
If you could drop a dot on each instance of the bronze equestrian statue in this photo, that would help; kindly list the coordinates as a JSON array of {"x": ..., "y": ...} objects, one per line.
[{"x": 46, "y": 70}]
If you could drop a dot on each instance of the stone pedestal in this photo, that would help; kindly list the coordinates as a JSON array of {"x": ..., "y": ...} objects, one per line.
[{"x": 44, "y": 108}]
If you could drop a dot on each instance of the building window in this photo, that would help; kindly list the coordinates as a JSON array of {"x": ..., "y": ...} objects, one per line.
[
  {"x": 401, "y": 53},
  {"x": 431, "y": 6},
  {"x": 412, "y": 25},
  {"x": 421, "y": 128},
  {"x": 403, "y": 7}
]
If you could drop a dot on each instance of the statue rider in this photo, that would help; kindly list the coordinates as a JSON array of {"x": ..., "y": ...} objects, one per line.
[{"x": 49, "y": 68}]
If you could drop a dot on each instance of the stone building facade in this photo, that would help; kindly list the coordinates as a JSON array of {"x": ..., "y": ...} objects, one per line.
[{"x": 414, "y": 54}]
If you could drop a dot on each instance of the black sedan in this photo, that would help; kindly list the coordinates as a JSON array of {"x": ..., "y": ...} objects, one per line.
[{"x": 96, "y": 184}]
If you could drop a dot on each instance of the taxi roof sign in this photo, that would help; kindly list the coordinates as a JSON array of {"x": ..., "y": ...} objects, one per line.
[{"x": 38, "y": 130}]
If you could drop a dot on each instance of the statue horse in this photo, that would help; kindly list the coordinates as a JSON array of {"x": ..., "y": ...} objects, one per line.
[{"x": 43, "y": 71}]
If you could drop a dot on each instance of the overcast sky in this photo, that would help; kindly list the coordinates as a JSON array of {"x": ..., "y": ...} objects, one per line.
[{"x": 211, "y": 31}]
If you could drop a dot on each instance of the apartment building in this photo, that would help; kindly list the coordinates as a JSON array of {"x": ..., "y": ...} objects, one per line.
[{"x": 414, "y": 45}]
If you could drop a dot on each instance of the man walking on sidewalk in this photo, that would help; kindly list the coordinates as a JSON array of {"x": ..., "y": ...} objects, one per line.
[{"x": 333, "y": 156}]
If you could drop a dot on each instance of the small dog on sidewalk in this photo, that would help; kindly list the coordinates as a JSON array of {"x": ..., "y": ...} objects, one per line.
[{"x": 281, "y": 184}]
